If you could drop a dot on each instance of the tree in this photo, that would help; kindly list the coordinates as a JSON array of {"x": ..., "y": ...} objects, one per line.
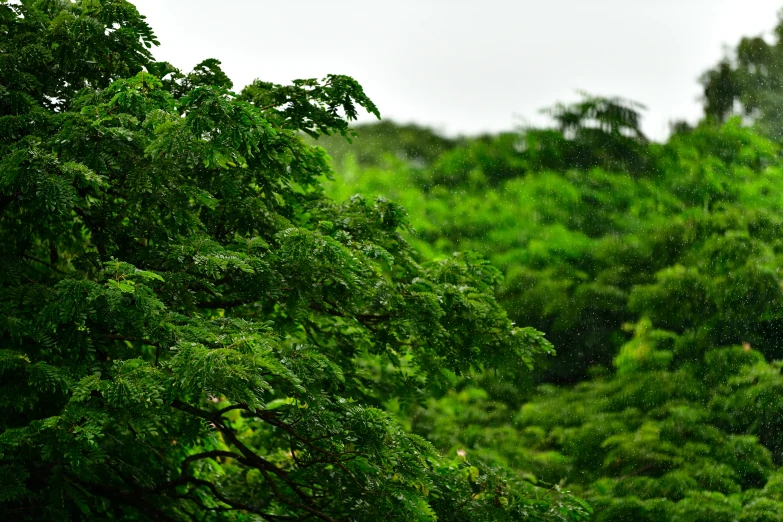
[
  {"x": 597, "y": 132},
  {"x": 189, "y": 328},
  {"x": 747, "y": 82}
]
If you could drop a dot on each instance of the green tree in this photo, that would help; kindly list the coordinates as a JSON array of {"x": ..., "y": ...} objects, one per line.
[
  {"x": 189, "y": 328},
  {"x": 748, "y": 82}
]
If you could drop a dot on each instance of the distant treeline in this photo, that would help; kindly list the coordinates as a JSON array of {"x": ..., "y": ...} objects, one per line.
[{"x": 656, "y": 269}]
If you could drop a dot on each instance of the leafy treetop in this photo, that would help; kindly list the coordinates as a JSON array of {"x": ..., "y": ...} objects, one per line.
[{"x": 189, "y": 328}]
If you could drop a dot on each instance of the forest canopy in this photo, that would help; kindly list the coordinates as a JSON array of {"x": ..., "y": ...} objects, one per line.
[
  {"x": 654, "y": 269},
  {"x": 660, "y": 290},
  {"x": 231, "y": 303}
]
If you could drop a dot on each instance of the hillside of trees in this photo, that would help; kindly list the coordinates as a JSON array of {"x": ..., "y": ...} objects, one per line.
[
  {"x": 226, "y": 302},
  {"x": 654, "y": 269},
  {"x": 660, "y": 289}
]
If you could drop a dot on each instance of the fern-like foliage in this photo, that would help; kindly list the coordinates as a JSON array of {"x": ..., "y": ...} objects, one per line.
[{"x": 189, "y": 328}]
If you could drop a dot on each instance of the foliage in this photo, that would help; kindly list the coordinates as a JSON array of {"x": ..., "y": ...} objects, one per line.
[
  {"x": 585, "y": 252},
  {"x": 190, "y": 329},
  {"x": 748, "y": 82},
  {"x": 661, "y": 290},
  {"x": 667, "y": 444}
]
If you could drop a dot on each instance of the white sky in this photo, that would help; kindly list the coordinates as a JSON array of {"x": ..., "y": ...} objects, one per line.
[{"x": 465, "y": 67}]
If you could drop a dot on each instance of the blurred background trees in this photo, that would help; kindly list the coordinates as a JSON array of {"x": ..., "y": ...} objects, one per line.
[
  {"x": 655, "y": 270},
  {"x": 748, "y": 82}
]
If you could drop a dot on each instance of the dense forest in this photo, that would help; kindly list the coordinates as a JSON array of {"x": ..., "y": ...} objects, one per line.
[{"x": 225, "y": 302}]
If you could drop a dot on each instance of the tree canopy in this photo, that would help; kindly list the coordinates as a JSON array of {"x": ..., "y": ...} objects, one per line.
[{"x": 190, "y": 329}]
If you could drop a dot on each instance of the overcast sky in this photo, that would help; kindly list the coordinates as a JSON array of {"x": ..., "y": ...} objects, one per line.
[{"x": 470, "y": 66}]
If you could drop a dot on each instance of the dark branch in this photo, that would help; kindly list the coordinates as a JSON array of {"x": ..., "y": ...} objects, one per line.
[{"x": 254, "y": 460}]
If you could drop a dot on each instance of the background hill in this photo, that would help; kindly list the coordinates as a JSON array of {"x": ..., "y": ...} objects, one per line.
[{"x": 654, "y": 268}]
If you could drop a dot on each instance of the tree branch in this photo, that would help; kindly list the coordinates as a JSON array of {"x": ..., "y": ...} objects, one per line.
[{"x": 254, "y": 460}]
